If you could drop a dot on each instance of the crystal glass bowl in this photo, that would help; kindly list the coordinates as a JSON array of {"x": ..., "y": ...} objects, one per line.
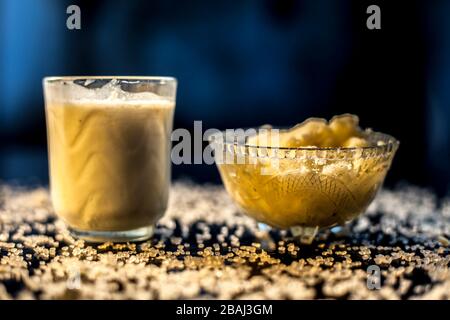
[{"x": 303, "y": 189}]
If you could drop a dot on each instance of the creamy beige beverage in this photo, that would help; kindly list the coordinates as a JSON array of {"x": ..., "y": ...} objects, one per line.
[{"x": 109, "y": 160}]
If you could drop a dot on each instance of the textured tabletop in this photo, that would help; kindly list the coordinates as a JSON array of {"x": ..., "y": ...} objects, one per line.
[{"x": 204, "y": 248}]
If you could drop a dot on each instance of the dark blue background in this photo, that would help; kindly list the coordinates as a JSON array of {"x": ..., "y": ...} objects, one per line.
[{"x": 240, "y": 64}]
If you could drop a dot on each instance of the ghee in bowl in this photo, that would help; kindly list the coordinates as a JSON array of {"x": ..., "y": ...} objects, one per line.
[{"x": 315, "y": 175}]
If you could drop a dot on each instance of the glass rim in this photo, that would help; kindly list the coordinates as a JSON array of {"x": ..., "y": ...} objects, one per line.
[
  {"x": 391, "y": 143},
  {"x": 52, "y": 79}
]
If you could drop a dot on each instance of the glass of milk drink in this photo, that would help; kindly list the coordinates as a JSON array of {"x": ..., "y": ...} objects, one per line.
[{"x": 109, "y": 153}]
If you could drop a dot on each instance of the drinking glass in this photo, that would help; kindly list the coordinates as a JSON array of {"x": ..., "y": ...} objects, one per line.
[{"x": 109, "y": 153}]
